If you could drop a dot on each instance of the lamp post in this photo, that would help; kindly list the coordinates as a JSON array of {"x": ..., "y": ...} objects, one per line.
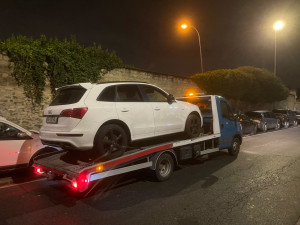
[
  {"x": 184, "y": 26},
  {"x": 278, "y": 25}
]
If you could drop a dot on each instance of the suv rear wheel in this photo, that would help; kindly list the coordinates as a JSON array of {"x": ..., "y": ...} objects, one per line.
[{"x": 110, "y": 141}]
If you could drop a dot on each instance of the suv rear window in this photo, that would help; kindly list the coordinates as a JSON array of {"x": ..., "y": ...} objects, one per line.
[{"x": 68, "y": 96}]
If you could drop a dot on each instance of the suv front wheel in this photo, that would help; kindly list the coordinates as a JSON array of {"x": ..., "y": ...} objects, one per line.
[
  {"x": 193, "y": 126},
  {"x": 110, "y": 141}
]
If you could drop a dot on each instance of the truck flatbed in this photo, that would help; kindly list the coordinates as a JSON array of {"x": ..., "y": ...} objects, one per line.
[{"x": 161, "y": 158}]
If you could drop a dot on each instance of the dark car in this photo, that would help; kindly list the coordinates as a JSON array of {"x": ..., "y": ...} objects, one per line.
[
  {"x": 265, "y": 119},
  {"x": 249, "y": 126},
  {"x": 292, "y": 119},
  {"x": 284, "y": 121}
]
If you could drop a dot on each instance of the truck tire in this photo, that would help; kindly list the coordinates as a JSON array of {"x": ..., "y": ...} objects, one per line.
[
  {"x": 110, "y": 141},
  {"x": 235, "y": 147},
  {"x": 193, "y": 126},
  {"x": 164, "y": 167}
]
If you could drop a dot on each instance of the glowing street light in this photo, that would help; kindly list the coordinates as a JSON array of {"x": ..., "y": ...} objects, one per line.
[
  {"x": 278, "y": 25},
  {"x": 185, "y": 26}
]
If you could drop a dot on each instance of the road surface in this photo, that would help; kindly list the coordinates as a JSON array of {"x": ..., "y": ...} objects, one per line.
[{"x": 260, "y": 186}]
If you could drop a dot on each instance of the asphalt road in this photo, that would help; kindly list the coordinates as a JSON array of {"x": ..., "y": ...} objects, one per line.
[{"x": 260, "y": 186}]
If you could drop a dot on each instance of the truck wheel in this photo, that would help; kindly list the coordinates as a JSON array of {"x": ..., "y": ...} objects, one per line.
[
  {"x": 235, "y": 147},
  {"x": 164, "y": 167},
  {"x": 110, "y": 141},
  {"x": 193, "y": 126}
]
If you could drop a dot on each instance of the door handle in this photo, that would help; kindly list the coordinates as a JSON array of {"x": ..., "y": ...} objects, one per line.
[
  {"x": 124, "y": 110},
  {"x": 156, "y": 108}
]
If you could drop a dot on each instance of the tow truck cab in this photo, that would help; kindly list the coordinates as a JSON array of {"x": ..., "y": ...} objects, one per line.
[{"x": 228, "y": 127}]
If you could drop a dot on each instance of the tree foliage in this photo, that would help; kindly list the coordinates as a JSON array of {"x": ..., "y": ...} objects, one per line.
[
  {"x": 247, "y": 84},
  {"x": 60, "y": 62}
]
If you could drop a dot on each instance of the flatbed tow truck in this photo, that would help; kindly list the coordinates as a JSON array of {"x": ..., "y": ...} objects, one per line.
[{"x": 222, "y": 131}]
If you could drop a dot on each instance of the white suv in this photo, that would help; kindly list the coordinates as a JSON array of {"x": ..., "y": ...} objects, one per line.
[{"x": 107, "y": 116}]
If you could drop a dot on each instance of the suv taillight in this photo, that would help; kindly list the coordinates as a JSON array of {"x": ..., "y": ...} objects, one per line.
[{"x": 74, "y": 113}]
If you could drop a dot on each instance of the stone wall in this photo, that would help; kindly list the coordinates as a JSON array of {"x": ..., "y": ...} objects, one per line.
[
  {"x": 14, "y": 106},
  {"x": 178, "y": 86}
]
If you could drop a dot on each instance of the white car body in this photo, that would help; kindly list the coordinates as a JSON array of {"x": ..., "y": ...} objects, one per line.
[
  {"x": 143, "y": 119},
  {"x": 17, "y": 145}
]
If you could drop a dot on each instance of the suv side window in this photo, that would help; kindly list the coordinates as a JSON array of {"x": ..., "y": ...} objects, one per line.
[
  {"x": 8, "y": 132},
  {"x": 129, "y": 93},
  {"x": 153, "y": 94},
  {"x": 226, "y": 111},
  {"x": 108, "y": 94}
]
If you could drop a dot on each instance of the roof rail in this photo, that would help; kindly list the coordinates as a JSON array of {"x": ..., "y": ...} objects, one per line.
[{"x": 107, "y": 82}]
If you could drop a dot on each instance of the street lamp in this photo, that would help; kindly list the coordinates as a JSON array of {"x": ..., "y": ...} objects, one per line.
[
  {"x": 278, "y": 25},
  {"x": 184, "y": 26}
]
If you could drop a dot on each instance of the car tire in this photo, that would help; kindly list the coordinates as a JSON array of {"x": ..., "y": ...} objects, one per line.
[
  {"x": 193, "y": 126},
  {"x": 287, "y": 124},
  {"x": 277, "y": 126},
  {"x": 110, "y": 142},
  {"x": 235, "y": 147},
  {"x": 164, "y": 167},
  {"x": 295, "y": 123},
  {"x": 254, "y": 130},
  {"x": 265, "y": 127}
]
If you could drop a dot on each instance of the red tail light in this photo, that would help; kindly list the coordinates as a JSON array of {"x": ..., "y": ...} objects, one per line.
[
  {"x": 81, "y": 183},
  {"x": 261, "y": 119},
  {"x": 38, "y": 170},
  {"x": 77, "y": 113}
]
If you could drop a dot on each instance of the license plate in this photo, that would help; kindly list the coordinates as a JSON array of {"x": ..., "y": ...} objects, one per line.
[{"x": 51, "y": 119}]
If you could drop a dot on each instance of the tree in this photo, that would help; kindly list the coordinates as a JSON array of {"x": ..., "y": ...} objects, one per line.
[
  {"x": 247, "y": 84},
  {"x": 60, "y": 62}
]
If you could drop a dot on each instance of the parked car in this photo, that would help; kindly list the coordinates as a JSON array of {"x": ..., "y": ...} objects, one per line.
[
  {"x": 107, "y": 116},
  {"x": 297, "y": 115},
  {"x": 265, "y": 120},
  {"x": 292, "y": 119},
  {"x": 249, "y": 126},
  {"x": 283, "y": 120},
  {"x": 19, "y": 146}
]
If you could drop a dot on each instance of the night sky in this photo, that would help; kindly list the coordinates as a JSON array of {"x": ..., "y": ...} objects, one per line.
[{"x": 147, "y": 33}]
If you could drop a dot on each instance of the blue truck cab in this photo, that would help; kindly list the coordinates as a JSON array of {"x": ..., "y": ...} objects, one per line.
[{"x": 218, "y": 118}]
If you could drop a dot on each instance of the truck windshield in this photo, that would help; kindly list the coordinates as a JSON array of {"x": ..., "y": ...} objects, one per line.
[{"x": 68, "y": 96}]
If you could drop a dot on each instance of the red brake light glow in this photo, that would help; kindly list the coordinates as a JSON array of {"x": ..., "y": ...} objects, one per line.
[
  {"x": 77, "y": 113},
  {"x": 38, "y": 170}
]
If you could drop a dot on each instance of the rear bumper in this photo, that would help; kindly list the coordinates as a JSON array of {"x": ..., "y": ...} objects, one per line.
[{"x": 68, "y": 140}]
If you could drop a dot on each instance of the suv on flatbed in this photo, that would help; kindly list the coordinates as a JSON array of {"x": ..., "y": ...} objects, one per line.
[{"x": 107, "y": 116}]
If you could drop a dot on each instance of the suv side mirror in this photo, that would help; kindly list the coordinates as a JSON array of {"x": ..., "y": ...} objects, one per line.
[
  {"x": 171, "y": 98},
  {"x": 22, "y": 135}
]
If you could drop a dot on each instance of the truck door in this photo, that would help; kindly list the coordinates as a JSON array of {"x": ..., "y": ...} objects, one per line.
[{"x": 228, "y": 125}]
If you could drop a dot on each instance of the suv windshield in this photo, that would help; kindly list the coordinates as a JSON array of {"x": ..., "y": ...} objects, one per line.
[{"x": 68, "y": 96}]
